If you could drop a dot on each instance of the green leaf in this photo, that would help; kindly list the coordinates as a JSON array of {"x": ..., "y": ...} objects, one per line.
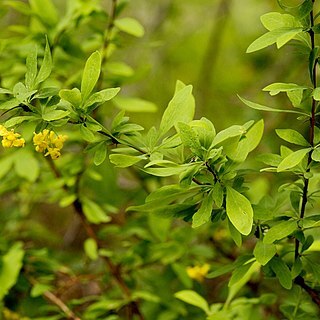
[
  {"x": 280, "y": 231},
  {"x": 276, "y": 20},
  {"x": 316, "y": 94},
  {"x": 295, "y": 96},
  {"x": 86, "y": 133},
  {"x": 239, "y": 211},
  {"x": 91, "y": 248},
  {"x": 46, "y": 66},
  {"x": 238, "y": 273},
  {"x": 90, "y": 75},
  {"x": 166, "y": 172},
  {"x": 49, "y": 16},
  {"x": 296, "y": 268},
  {"x": 26, "y": 165},
  {"x": 39, "y": 289},
  {"x": 193, "y": 298},
  {"x": 5, "y": 165},
  {"x": 134, "y": 104},
  {"x": 313, "y": 58},
  {"x": 316, "y": 155},
  {"x": 203, "y": 215},
  {"x": 254, "y": 135},
  {"x": 180, "y": 108},
  {"x": 230, "y": 132},
  {"x": 9, "y": 104},
  {"x": 54, "y": 115},
  {"x": 123, "y": 160},
  {"x": 11, "y": 265},
  {"x": 32, "y": 70},
  {"x": 100, "y": 97},
  {"x": 292, "y": 159},
  {"x": 264, "y": 252},
  {"x": 261, "y": 107},
  {"x": 94, "y": 212},
  {"x": 292, "y": 136},
  {"x": 282, "y": 272},
  {"x": 17, "y": 120},
  {"x": 235, "y": 234},
  {"x": 189, "y": 138},
  {"x": 217, "y": 194},
  {"x": 278, "y": 87},
  {"x": 130, "y": 26},
  {"x": 73, "y": 96},
  {"x": 279, "y": 36},
  {"x": 100, "y": 154},
  {"x": 181, "y": 273}
]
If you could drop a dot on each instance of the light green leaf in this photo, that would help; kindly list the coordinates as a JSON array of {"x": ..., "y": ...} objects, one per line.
[
  {"x": 17, "y": 120},
  {"x": 276, "y": 20},
  {"x": 316, "y": 155},
  {"x": 279, "y": 36},
  {"x": 86, "y": 133},
  {"x": 91, "y": 249},
  {"x": 264, "y": 252},
  {"x": 292, "y": 159},
  {"x": 90, "y": 75},
  {"x": 9, "y": 104},
  {"x": 49, "y": 16},
  {"x": 280, "y": 231},
  {"x": 239, "y": 211},
  {"x": 100, "y": 154},
  {"x": 94, "y": 212},
  {"x": 32, "y": 70},
  {"x": 203, "y": 215},
  {"x": 292, "y": 136},
  {"x": 295, "y": 96},
  {"x": 254, "y": 135},
  {"x": 166, "y": 172},
  {"x": 236, "y": 287},
  {"x": 55, "y": 115},
  {"x": 123, "y": 160},
  {"x": 46, "y": 66},
  {"x": 180, "y": 108},
  {"x": 39, "y": 289},
  {"x": 278, "y": 87},
  {"x": 10, "y": 268},
  {"x": 239, "y": 272},
  {"x": 261, "y": 107},
  {"x": 282, "y": 272},
  {"x": 189, "y": 138},
  {"x": 235, "y": 234},
  {"x": 316, "y": 94},
  {"x": 26, "y": 165},
  {"x": 100, "y": 97},
  {"x": 130, "y": 26},
  {"x": 134, "y": 104},
  {"x": 73, "y": 96},
  {"x": 193, "y": 298},
  {"x": 5, "y": 165},
  {"x": 230, "y": 132}
]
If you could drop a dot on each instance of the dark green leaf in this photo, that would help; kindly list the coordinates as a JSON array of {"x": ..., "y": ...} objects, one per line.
[{"x": 282, "y": 272}]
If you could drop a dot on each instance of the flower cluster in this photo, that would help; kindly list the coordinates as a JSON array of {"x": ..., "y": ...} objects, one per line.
[
  {"x": 198, "y": 272},
  {"x": 10, "y": 138},
  {"x": 49, "y": 143}
]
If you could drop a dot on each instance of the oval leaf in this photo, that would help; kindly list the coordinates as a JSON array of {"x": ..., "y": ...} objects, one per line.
[{"x": 239, "y": 211}]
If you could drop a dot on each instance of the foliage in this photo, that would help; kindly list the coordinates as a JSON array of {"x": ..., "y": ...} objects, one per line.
[{"x": 156, "y": 238}]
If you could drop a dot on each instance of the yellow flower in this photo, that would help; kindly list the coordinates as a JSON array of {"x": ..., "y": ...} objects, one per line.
[
  {"x": 10, "y": 138},
  {"x": 198, "y": 272},
  {"x": 49, "y": 143}
]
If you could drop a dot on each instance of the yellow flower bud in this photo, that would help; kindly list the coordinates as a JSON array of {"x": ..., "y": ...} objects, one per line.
[{"x": 198, "y": 272}]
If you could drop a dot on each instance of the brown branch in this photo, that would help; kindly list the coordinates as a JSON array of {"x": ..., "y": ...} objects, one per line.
[
  {"x": 314, "y": 294},
  {"x": 51, "y": 297}
]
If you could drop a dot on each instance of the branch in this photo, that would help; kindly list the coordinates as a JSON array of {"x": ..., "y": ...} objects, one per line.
[{"x": 314, "y": 294}]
